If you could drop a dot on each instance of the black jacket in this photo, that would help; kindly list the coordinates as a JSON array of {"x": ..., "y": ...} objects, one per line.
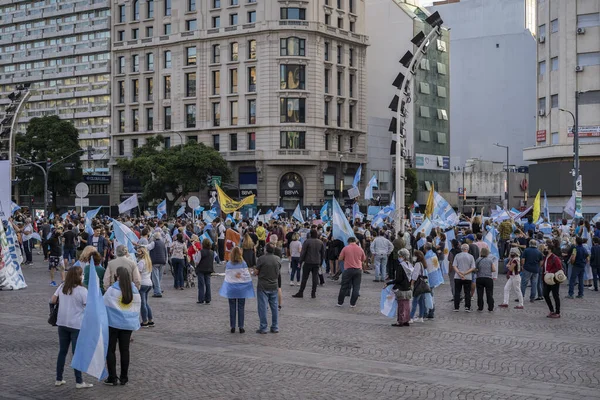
[
  {"x": 595, "y": 256},
  {"x": 207, "y": 259}
]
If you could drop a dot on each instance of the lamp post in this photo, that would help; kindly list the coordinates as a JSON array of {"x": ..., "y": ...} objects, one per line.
[
  {"x": 507, "y": 188},
  {"x": 575, "y": 138}
]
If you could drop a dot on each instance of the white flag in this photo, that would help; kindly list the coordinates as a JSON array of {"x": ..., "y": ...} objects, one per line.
[
  {"x": 570, "y": 207},
  {"x": 128, "y": 204}
]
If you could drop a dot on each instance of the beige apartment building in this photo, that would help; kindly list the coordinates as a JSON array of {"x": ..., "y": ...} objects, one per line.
[{"x": 278, "y": 87}]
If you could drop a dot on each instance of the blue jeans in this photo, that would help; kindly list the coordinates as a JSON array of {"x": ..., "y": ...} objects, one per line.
[
  {"x": 270, "y": 297},
  {"x": 28, "y": 248},
  {"x": 66, "y": 336},
  {"x": 341, "y": 266},
  {"x": 380, "y": 264},
  {"x": 204, "y": 287},
  {"x": 576, "y": 274},
  {"x": 295, "y": 266},
  {"x": 236, "y": 304},
  {"x": 527, "y": 276},
  {"x": 420, "y": 301},
  {"x": 178, "y": 267},
  {"x": 157, "y": 274},
  {"x": 146, "y": 311}
]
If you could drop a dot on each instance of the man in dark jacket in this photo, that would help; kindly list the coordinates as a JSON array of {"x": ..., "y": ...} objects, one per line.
[
  {"x": 595, "y": 261},
  {"x": 158, "y": 256},
  {"x": 311, "y": 258}
]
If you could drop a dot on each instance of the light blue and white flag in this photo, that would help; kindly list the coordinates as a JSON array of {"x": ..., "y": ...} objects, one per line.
[
  {"x": 595, "y": 219},
  {"x": 324, "y": 211},
  {"x": 415, "y": 205},
  {"x": 124, "y": 236},
  {"x": 421, "y": 242},
  {"x": 369, "y": 189},
  {"x": 198, "y": 210},
  {"x": 425, "y": 227},
  {"x": 356, "y": 214},
  {"x": 269, "y": 214},
  {"x": 388, "y": 304},
  {"x": 297, "y": 215},
  {"x": 14, "y": 207},
  {"x": 161, "y": 209},
  {"x": 129, "y": 204},
  {"x": 51, "y": 216},
  {"x": 436, "y": 278},
  {"x": 255, "y": 218},
  {"x": 92, "y": 213},
  {"x": 278, "y": 210},
  {"x": 450, "y": 235},
  {"x": 570, "y": 206},
  {"x": 205, "y": 235},
  {"x": 181, "y": 210},
  {"x": 444, "y": 210},
  {"x": 229, "y": 219},
  {"x": 341, "y": 229},
  {"x": 237, "y": 283},
  {"x": 546, "y": 209},
  {"x": 123, "y": 316},
  {"x": 357, "y": 177},
  {"x": 90, "y": 354},
  {"x": 63, "y": 216}
]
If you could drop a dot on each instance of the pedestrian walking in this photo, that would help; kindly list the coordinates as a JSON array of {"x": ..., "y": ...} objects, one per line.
[
  {"x": 402, "y": 288},
  {"x": 486, "y": 266},
  {"x": 353, "y": 257},
  {"x": 268, "y": 268},
  {"x": 552, "y": 265},
  {"x": 311, "y": 258},
  {"x": 237, "y": 287},
  {"x": 513, "y": 274}
]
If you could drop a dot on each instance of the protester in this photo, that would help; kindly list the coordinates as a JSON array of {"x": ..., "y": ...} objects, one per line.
[
  {"x": 531, "y": 260},
  {"x": 486, "y": 266},
  {"x": 237, "y": 287},
  {"x": 552, "y": 265},
  {"x": 513, "y": 274},
  {"x": 88, "y": 254},
  {"x": 268, "y": 269},
  {"x": 144, "y": 265},
  {"x": 295, "y": 251},
  {"x": 464, "y": 266},
  {"x": 71, "y": 297},
  {"x": 311, "y": 258},
  {"x": 123, "y": 303},
  {"x": 402, "y": 288},
  {"x": 204, "y": 269},
  {"x": 122, "y": 260},
  {"x": 353, "y": 257},
  {"x": 28, "y": 242},
  {"x": 159, "y": 257},
  {"x": 69, "y": 245},
  {"x": 381, "y": 249},
  {"x": 178, "y": 254},
  {"x": 54, "y": 256},
  {"x": 578, "y": 258},
  {"x": 419, "y": 270},
  {"x": 249, "y": 250},
  {"x": 595, "y": 260}
]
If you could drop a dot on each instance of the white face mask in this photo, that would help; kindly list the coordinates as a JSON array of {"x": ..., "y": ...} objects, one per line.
[{"x": 414, "y": 259}]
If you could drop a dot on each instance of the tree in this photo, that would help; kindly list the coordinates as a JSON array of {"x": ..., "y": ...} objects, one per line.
[
  {"x": 49, "y": 138},
  {"x": 411, "y": 185},
  {"x": 178, "y": 170}
]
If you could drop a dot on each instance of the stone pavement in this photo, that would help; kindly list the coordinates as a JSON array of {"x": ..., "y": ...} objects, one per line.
[{"x": 321, "y": 352}]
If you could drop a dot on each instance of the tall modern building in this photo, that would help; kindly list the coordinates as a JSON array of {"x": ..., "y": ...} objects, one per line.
[
  {"x": 493, "y": 78},
  {"x": 62, "y": 48},
  {"x": 568, "y": 66},
  {"x": 279, "y": 88},
  {"x": 391, "y": 24}
]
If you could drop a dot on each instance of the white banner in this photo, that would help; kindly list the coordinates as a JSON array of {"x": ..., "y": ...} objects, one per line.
[
  {"x": 5, "y": 202},
  {"x": 128, "y": 204},
  {"x": 11, "y": 275}
]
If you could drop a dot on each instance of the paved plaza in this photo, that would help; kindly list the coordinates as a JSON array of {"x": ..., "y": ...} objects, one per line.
[{"x": 321, "y": 352}]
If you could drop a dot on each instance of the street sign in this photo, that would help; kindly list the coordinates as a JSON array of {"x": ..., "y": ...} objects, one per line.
[
  {"x": 193, "y": 202},
  {"x": 82, "y": 202},
  {"x": 215, "y": 180},
  {"x": 579, "y": 184},
  {"x": 82, "y": 189}
]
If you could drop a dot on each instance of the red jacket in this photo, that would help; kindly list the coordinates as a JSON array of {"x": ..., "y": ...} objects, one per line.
[{"x": 552, "y": 264}]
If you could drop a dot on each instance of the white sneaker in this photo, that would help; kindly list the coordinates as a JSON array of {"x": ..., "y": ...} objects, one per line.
[
  {"x": 338, "y": 304},
  {"x": 353, "y": 306},
  {"x": 83, "y": 385},
  {"x": 291, "y": 283},
  {"x": 59, "y": 383},
  {"x": 411, "y": 321},
  {"x": 419, "y": 320}
]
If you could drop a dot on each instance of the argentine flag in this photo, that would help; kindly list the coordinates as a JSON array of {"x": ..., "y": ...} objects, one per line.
[
  {"x": 388, "y": 304},
  {"x": 297, "y": 215},
  {"x": 324, "y": 212},
  {"x": 425, "y": 227},
  {"x": 14, "y": 207},
  {"x": 205, "y": 235},
  {"x": 369, "y": 189},
  {"x": 92, "y": 343},
  {"x": 198, "y": 210},
  {"x": 490, "y": 240},
  {"x": 181, "y": 210},
  {"x": 357, "y": 177},
  {"x": 356, "y": 212},
  {"x": 450, "y": 235},
  {"x": 436, "y": 278},
  {"x": 122, "y": 316},
  {"x": 238, "y": 282},
  {"x": 161, "y": 209},
  {"x": 341, "y": 228}
]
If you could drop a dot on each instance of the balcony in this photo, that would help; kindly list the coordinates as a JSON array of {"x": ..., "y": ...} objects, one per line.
[{"x": 346, "y": 156}]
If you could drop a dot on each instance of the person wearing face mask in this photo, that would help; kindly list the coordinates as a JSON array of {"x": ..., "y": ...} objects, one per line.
[
  {"x": 402, "y": 288},
  {"x": 552, "y": 264},
  {"x": 513, "y": 267}
]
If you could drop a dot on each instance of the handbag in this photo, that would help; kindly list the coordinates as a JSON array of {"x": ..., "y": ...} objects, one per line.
[
  {"x": 403, "y": 294},
  {"x": 53, "y": 317},
  {"x": 421, "y": 285}
]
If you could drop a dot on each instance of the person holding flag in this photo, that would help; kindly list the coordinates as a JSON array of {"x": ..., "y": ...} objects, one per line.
[{"x": 237, "y": 287}]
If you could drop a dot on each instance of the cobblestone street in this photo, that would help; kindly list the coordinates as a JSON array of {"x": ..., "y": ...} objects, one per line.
[{"x": 321, "y": 352}]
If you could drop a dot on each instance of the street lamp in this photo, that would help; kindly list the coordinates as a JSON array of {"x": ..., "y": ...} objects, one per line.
[
  {"x": 575, "y": 138},
  {"x": 507, "y": 188}
]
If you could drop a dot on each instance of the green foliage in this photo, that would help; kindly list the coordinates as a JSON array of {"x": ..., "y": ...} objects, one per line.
[
  {"x": 49, "y": 138},
  {"x": 178, "y": 169},
  {"x": 411, "y": 185}
]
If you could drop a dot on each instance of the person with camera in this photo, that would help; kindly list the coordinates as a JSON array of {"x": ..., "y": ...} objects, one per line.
[{"x": 552, "y": 265}]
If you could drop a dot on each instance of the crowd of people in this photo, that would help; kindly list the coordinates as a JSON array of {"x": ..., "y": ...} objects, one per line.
[{"x": 530, "y": 257}]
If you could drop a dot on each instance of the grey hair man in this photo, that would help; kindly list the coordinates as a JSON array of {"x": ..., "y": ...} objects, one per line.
[
  {"x": 159, "y": 256},
  {"x": 122, "y": 260},
  {"x": 463, "y": 265}
]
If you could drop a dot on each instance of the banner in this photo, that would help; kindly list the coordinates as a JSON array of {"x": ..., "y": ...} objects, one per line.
[
  {"x": 228, "y": 205},
  {"x": 11, "y": 275},
  {"x": 5, "y": 202},
  {"x": 128, "y": 204}
]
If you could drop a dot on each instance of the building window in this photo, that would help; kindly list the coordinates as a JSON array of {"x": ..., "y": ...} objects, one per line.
[
  {"x": 424, "y": 88},
  {"x": 121, "y": 122},
  {"x": 586, "y": 59},
  {"x": 216, "y": 22},
  {"x": 191, "y": 25},
  {"x": 150, "y": 62},
  {"x": 554, "y": 61},
  {"x": 352, "y": 26},
  {"x": 136, "y": 10},
  {"x": 234, "y": 2},
  {"x": 292, "y": 140},
  {"x": 339, "y": 5},
  {"x": 351, "y": 117},
  {"x": 326, "y": 51},
  {"x": 216, "y": 114},
  {"x": 149, "y": 119},
  {"x": 121, "y": 13},
  {"x": 327, "y": 19},
  {"x": 351, "y": 6},
  {"x": 542, "y": 104},
  {"x": 233, "y": 141},
  {"x": 191, "y": 5},
  {"x": 340, "y": 55},
  {"x": 554, "y": 101},
  {"x": 339, "y": 114},
  {"x": 327, "y": 141},
  {"x": 339, "y": 143},
  {"x": 340, "y": 80},
  {"x": 441, "y": 138},
  {"x": 441, "y": 45},
  {"x": 441, "y": 68},
  {"x": 327, "y": 72},
  {"x": 292, "y": 46},
  {"x": 167, "y": 59},
  {"x": 340, "y": 23},
  {"x": 554, "y": 138},
  {"x": 292, "y": 110},
  {"x": 252, "y": 79},
  {"x": 383, "y": 180},
  {"x": 216, "y": 3},
  {"x": 190, "y": 116},
  {"x": 135, "y": 33},
  {"x": 167, "y": 143},
  {"x": 542, "y": 68},
  {"x": 424, "y": 136},
  {"x": 216, "y": 139},
  {"x": 542, "y": 30},
  {"x": 424, "y": 111},
  {"x": 441, "y": 91},
  {"x": 251, "y": 140},
  {"x": 351, "y": 85},
  {"x": 251, "y": 17},
  {"x": 167, "y": 86},
  {"x": 135, "y": 90},
  {"x": 351, "y": 144},
  {"x": 326, "y": 113},
  {"x": 150, "y": 9},
  {"x": 216, "y": 82},
  {"x": 233, "y": 80},
  {"x": 190, "y": 84},
  {"x": 554, "y": 26},
  {"x": 588, "y": 20},
  {"x": 190, "y": 56},
  {"x": 135, "y": 63},
  {"x": 167, "y": 118},
  {"x": 293, "y": 13},
  {"x": 292, "y": 77},
  {"x": 233, "y": 19},
  {"x": 149, "y": 88},
  {"x": 167, "y": 29},
  {"x": 167, "y": 8},
  {"x": 216, "y": 53},
  {"x": 121, "y": 145},
  {"x": 442, "y": 114},
  {"x": 135, "y": 118},
  {"x": 120, "y": 36},
  {"x": 233, "y": 51},
  {"x": 149, "y": 31},
  {"x": 351, "y": 57},
  {"x": 252, "y": 50},
  {"x": 233, "y": 113},
  {"x": 192, "y": 139},
  {"x": 251, "y": 112},
  {"x": 121, "y": 89},
  {"x": 135, "y": 143}
]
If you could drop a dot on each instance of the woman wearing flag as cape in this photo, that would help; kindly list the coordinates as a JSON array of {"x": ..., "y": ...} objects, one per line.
[{"x": 237, "y": 287}]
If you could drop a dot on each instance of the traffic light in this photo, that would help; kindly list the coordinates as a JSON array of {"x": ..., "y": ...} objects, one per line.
[{"x": 48, "y": 163}]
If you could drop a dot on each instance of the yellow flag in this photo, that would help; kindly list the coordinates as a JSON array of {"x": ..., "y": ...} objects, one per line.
[
  {"x": 430, "y": 203},
  {"x": 536, "y": 207},
  {"x": 228, "y": 205}
]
